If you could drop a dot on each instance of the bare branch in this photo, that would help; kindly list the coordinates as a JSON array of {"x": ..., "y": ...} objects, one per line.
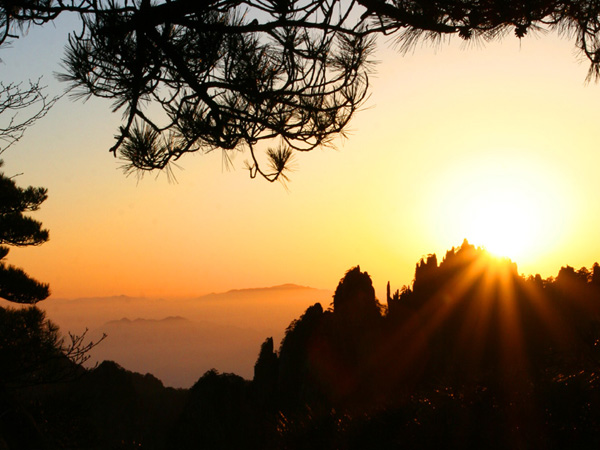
[{"x": 21, "y": 105}]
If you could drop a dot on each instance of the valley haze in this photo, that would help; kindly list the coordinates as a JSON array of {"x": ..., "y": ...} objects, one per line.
[{"x": 178, "y": 340}]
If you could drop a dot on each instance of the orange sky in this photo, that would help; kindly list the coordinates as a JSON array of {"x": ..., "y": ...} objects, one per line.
[{"x": 449, "y": 137}]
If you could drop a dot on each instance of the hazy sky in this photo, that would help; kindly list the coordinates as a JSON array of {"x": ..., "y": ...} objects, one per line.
[{"x": 497, "y": 144}]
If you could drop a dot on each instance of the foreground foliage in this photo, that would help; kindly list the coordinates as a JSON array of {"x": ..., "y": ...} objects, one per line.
[{"x": 271, "y": 77}]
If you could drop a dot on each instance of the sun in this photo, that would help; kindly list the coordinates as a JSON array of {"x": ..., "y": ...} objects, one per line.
[
  {"x": 509, "y": 205},
  {"x": 503, "y": 221}
]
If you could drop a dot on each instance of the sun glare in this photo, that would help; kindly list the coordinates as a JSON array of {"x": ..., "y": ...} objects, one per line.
[
  {"x": 510, "y": 206},
  {"x": 502, "y": 221}
]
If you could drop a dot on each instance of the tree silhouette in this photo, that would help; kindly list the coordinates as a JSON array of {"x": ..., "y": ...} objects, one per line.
[
  {"x": 222, "y": 405},
  {"x": 222, "y": 78},
  {"x": 418, "y": 20},
  {"x": 20, "y": 107},
  {"x": 30, "y": 347},
  {"x": 32, "y": 354},
  {"x": 17, "y": 229},
  {"x": 273, "y": 76}
]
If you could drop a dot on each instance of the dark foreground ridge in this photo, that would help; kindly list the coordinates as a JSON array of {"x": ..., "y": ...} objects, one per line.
[{"x": 471, "y": 356}]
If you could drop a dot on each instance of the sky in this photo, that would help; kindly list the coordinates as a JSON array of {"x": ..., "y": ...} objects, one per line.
[{"x": 496, "y": 143}]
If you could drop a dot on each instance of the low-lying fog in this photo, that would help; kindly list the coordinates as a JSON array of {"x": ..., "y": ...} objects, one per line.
[{"x": 179, "y": 340}]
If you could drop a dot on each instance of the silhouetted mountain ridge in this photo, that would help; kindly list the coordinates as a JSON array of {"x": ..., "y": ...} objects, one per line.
[
  {"x": 240, "y": 291},
  {"x": 259, "y": 291},
  {"x": 174, "y": 320},
  {"x": 471, "y": 355}
]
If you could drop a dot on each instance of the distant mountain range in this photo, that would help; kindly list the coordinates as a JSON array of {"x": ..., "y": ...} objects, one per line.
[
  {"x": 178, "y": 340},
  {"x": 171, "y": 320},
  {"x": 289, "y": 287}
]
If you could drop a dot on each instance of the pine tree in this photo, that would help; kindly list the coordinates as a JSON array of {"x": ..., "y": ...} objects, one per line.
[{"x": 19, "y": 230}]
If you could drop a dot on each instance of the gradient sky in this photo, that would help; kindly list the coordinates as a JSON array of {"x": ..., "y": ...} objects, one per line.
[{"x": 451, "y": 136}]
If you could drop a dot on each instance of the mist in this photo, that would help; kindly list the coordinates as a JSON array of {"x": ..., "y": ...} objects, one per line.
[{"x": 178, "y": 340}]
